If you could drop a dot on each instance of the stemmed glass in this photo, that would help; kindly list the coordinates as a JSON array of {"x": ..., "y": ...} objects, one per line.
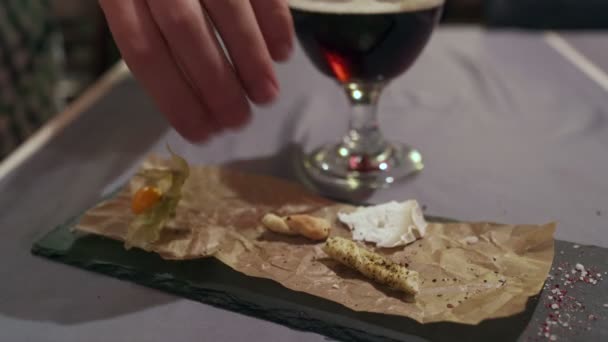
[{"x": 363, "y": 44}]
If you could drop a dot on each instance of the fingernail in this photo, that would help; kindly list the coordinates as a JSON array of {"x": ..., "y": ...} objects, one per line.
[{"x": 282, "y": 52}]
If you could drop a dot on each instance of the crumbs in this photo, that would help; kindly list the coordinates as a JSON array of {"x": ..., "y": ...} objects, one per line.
[
  {"x": 564, "y": 311},
  {"x": 455, "y": 292}
]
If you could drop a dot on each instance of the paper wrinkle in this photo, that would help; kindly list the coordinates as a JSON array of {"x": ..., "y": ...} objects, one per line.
[{"x": 220, "y": 216}]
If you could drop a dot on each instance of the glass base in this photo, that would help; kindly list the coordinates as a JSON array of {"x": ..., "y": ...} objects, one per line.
[{"x": 337, "y": 166}]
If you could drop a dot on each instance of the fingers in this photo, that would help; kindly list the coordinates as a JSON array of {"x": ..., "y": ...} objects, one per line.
[
  {"x": 194, "y": 45},
  {"x": 276, "y": 24},
  {"x": 148, "y": 57},
  {"x": 172, "y": 49},
  {"x": 237, "y": 24}
]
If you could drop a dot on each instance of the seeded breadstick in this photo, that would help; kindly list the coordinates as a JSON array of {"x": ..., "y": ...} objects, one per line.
[{"x": 372, "y": 265}]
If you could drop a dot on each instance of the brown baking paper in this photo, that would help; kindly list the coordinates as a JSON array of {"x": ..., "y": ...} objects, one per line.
[{"x": 463, "y": 280}]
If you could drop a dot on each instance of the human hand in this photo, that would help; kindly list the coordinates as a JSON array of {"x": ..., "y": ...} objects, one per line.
[{"x": 172, "y": 50}]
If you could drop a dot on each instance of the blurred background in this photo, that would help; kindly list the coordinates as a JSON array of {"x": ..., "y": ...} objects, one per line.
[
  {"x": 89, "y": 49},
  {"x": 51, "y": 50}
]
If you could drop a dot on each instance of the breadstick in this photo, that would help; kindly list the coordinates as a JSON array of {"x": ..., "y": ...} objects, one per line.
[
  {"x": 311, "y": 227},
  {"x": 277, "y": 224},
  {"x": 372, "y": 265}
]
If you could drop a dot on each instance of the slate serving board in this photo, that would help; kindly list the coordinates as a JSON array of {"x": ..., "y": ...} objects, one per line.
[{"x": 211, "y": 282}]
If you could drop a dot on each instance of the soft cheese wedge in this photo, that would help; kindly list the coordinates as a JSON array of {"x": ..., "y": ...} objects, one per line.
[{"x": 387, "y": 225}]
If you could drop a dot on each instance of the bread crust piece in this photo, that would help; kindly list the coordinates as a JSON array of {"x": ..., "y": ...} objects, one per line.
[
  {"x": 372, "y": 265},
  {"x": 310, "y": 227},
  {"x": 277, "y": 224}
]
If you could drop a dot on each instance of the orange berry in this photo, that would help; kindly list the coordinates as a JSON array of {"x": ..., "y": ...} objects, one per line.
[{"x": 144, "y": 199}]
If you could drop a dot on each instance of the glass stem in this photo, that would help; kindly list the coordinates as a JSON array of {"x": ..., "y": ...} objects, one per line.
[{"x": 364, "y": 137}]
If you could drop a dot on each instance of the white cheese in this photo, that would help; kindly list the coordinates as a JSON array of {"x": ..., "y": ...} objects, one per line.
[{"x": 387, "y": 225}]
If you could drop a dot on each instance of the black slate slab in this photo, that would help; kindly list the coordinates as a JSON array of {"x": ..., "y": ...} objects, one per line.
[{"x": 211, "y": 282}]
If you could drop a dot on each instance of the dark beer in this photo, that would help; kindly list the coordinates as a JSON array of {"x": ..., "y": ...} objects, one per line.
[{"x": 364, "y": 40}]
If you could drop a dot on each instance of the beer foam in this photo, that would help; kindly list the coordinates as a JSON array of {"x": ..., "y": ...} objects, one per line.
[{"x": 363, "y": 6}]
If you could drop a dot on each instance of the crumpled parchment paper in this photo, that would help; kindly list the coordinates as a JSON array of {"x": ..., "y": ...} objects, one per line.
[{"x": 470, "y": 271}]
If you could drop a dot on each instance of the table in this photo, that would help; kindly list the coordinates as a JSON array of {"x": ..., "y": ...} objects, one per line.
[{"x": 510, "y": 128}]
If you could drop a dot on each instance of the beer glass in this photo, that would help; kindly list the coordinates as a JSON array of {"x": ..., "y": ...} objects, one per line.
[{"x": 363, "y": 45}]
